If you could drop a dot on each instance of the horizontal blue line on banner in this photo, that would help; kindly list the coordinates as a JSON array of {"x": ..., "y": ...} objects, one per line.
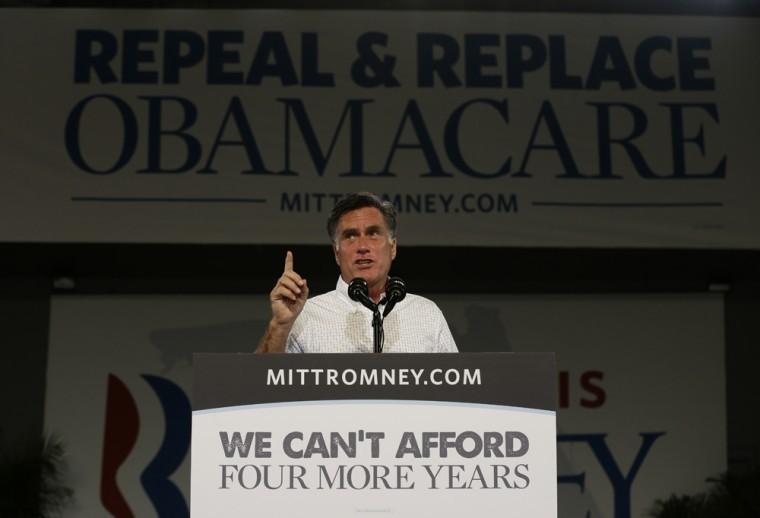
[
  {"x": 627, "y": 204},
  {"x": 170, "y": 200}
]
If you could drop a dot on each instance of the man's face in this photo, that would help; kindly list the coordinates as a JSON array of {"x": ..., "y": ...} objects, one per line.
[{"x": 364, "y": 247}]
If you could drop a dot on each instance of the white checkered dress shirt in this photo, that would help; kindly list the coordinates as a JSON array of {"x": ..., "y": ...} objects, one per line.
[{"x": 333, "y": 323}]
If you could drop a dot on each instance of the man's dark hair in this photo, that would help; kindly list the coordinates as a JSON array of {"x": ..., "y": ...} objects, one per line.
[{"x": 360, "y": 200}]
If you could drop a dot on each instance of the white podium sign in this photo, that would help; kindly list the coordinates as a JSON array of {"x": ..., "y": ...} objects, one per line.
[{"x": 385, "y": 452}]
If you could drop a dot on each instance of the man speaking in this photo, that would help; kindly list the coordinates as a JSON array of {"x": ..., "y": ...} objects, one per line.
[{"x": 362, "y": 229}]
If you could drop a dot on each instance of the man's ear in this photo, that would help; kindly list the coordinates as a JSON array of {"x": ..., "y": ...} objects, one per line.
[
  {"x": 335, "y": 251},
  {"x": 393, "y": 249}
]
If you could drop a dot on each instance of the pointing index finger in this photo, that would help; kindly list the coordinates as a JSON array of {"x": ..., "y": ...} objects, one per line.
[{"x": 289, "y": 261}]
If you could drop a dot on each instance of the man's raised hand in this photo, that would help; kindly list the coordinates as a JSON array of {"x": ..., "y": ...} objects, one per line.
[
  {"x": 287, "y": 299},
  {"x": 289, "y": 295}
]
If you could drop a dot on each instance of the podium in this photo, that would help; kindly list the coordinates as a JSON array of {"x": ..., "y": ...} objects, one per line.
[{"x": 392, "y": 435}]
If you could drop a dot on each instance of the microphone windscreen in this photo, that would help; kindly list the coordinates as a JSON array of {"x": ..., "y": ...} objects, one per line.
[
  {"x": 358, "y": 289},
  {"x": 395, "y": 289}
]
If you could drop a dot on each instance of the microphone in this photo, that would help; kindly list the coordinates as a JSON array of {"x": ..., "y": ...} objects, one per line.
[
  {"x": 395, "y": 291},
  {"x": 358, "y": 290}
]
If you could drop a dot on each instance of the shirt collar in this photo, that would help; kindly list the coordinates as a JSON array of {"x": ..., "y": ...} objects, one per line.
[{"x": 342, "y": 289}]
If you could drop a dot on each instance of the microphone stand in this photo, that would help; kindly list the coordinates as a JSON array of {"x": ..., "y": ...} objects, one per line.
[
  {"x": 377, "y": 329},
  {"x": 358, "y": 290}
]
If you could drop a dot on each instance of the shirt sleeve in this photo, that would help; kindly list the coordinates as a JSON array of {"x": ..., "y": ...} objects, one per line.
[
  {"x": 292, "y": 345},
  {"x": 297, "y": 337},
  {"x": 446, "y": 342}
]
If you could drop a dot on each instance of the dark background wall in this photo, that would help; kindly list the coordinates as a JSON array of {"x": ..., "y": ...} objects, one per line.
[
  {"x": 35, "y": 271},
  {"x": 31, "y": 272}
]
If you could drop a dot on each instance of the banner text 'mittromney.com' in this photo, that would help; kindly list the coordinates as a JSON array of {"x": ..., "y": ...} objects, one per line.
[{"x": 373, "y": 377}]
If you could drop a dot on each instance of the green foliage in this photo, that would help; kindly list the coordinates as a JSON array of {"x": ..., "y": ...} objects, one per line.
[
  {"x": 31, "y": 484},
  {"x": 735, "y": 495}
]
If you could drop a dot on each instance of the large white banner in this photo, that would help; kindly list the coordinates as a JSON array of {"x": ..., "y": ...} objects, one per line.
[
  {"x": 507, "y": 129},
  {"x": 642, "y": 390}
]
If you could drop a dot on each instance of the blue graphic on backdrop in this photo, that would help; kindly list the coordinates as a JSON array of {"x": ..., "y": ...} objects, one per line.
[{"x": 121, "y": 432}]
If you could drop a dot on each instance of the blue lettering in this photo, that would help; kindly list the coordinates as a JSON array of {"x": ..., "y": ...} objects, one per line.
[
  {"x": 290, "y": 204},
  {"x": 72, "y": 134},
  {"x": 643, "y": 64},
  {"x": 689, "y": 64},
  {"x": 680, "y": 140},
  {"x": 272, "y": 59},
  {"x": 247, "y": 140},
  {"x": 156, "y": 132},
  {"x": 310, "y": 74},
  {"x": 605, "y": 139},
  {"x": 609, "y": 50},
  {"x": 219, "y": 56},
  {"x": 621, "y": 484},
  {"x": 518, "y": 63},
  {"x": 174, "y": 59},
  {"x": 428, "y": 65},
  {"x": 579, "y": 479},
  {"x": 370, "y": 70},
  {"x": 558, "y": 144},
  {"x": 451, "y": 139},
  {"x": 558, "y": 66},
  {"x": 133, "y": 55},
  {"x": 295, "y": 107},
  {"x": 424, "y": 142},
  {"x": 466, "y": 203},
  {"x": 87, "y": 59},
  {"x": 476, "y": 60}
]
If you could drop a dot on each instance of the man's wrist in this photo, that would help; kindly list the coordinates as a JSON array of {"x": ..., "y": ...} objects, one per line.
[
  {"x": 275, "y": 338},
  {"x": 279, "y": 329}
]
